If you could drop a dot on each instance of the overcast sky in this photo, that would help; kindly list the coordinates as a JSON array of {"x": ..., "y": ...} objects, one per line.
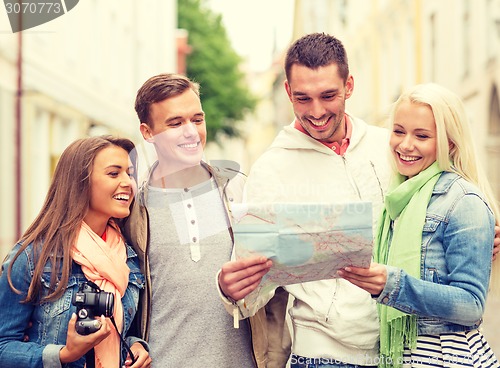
[{"x": 253, "y": 25}]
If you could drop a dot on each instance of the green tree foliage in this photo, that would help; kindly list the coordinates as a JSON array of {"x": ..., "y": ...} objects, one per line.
[{"x": 215, "y": 65}]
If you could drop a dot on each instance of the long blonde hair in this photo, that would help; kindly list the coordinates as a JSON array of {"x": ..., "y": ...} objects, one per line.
[{"x": 452, "y": 126}]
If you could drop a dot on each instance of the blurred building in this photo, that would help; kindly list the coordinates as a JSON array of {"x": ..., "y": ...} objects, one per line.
[{"x": 72, "y": 77}]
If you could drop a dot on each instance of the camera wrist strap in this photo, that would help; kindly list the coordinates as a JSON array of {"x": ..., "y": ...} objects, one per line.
[
  {"x": 134, "y": 359},
  {"x": 90, "y": 359},
  {"x": 90, "y": 355}
]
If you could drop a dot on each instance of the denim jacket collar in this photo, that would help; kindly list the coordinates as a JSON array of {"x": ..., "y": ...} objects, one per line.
[{"x": 445, "y": 182}]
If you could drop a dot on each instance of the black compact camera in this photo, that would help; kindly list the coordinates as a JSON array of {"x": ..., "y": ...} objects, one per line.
[{"x": 91, "y": 302}]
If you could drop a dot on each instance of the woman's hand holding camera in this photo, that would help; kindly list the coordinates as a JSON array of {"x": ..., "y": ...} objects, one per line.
[{"x": 78, "y": 345}]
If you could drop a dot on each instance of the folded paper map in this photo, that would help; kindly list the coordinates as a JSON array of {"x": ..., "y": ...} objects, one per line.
[{"x": 305, "y": 241}]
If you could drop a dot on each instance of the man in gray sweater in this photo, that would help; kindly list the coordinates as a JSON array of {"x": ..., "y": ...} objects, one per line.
[{"x": 180, "y": 228}]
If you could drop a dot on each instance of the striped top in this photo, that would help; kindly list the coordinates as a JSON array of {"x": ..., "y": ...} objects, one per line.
[{"x": 458, "y": 349}]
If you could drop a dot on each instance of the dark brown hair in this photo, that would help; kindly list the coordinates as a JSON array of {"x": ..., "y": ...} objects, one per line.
[
  {"x": 317, "y": 50},
  {"x": 55, "y": 229},
  {"x": 159, "y": 88}
]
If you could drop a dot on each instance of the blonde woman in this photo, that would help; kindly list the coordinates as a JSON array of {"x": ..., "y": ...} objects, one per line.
[{"x": 434, "y": 242}]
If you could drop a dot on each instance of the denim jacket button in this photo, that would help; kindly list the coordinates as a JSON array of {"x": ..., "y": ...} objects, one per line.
[{"x": 385, "y": 299}]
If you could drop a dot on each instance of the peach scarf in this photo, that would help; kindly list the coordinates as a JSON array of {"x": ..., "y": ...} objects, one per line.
[{"x": 105, "y": 264}]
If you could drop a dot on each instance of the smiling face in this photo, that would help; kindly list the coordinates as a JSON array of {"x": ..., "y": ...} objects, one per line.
[
  {"x": 318, "y": 98},
  {"x": 111, "y": 187},
  {"x": 178, "y": 131},
  {"x": 413, "y": 139}
]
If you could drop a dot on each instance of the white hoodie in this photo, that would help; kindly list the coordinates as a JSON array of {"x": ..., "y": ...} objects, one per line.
[{"x": 331, "y": 318}]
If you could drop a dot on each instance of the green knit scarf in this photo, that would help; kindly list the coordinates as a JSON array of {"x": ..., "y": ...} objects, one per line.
[{"x": 407, "y": 203}]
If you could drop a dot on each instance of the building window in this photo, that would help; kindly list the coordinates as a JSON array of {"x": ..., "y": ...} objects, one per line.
[
  {"x": 493, "y": 142},
  {"x": 493, "y": 28},
  {"x": 466, "y": 39},
  {"x": 433, "y": 33}
]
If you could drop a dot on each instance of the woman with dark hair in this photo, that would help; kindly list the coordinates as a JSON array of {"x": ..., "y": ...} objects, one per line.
[{"x": 75, "y": 239}]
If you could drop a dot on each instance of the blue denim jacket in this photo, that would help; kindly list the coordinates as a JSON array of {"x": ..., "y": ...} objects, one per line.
[
  {"x": 457, "y": 243},
  {"x": 49, "y": 321}
]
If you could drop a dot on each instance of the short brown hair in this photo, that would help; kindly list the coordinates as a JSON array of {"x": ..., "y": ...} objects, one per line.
[
  {"x": 159, "y": 88},
  {"x": 316, "y": 50}
]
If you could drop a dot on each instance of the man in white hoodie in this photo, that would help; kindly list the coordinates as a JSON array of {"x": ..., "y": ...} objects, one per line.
[
  {"x": 325, "y": 155},
  {"x": 328, "y": 156}
]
